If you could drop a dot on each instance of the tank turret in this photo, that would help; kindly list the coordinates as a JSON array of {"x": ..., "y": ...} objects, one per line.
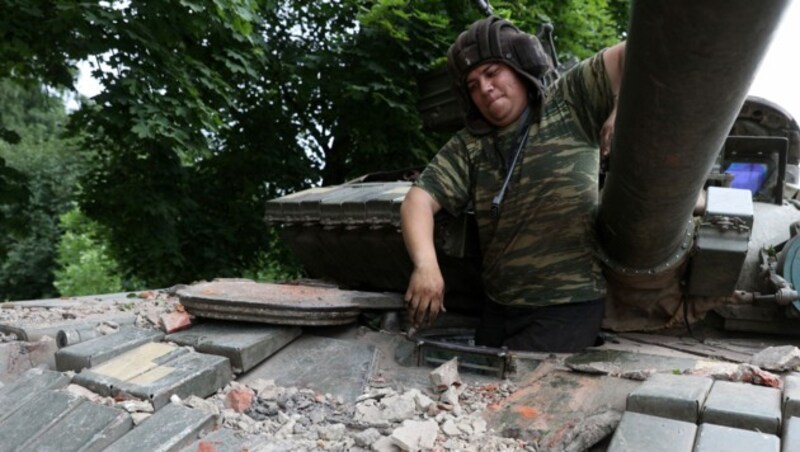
[{"x": 685, "y": 131}]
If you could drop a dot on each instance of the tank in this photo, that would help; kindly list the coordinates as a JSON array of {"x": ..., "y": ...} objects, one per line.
[
  {"x": 667, "y": 263},
  {"x": 680, "y": 132}
]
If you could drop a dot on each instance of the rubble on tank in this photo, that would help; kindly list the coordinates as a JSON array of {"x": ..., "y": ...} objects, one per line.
[
  {"x": 379, "y": 399},
  {"x": 283, "y": 417}
]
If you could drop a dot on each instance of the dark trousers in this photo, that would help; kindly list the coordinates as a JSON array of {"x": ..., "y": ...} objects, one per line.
[{"x": 562, "y": 328}]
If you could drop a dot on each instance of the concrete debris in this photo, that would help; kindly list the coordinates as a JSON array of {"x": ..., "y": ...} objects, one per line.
[
  {"x": 42, "y": 352},
  {"x": 286, "y": 418},
  {"x": 158, "y": 303},
  {"x": 287, "y": 429},
  {"x": 479, "y": 426},
  {"x": 584, "y": 432},
  {"x": 450, "y": 428},
  {"x": 422, "y": 401},
  {"x": 744, "y": 373},
  {"x": 107, "y": 327},
  {"x": 13, "y": 359},
  {"x": 92, "y": 396},
  {"x": 377, "y": 394},
  {"x": 445, "y": 375},
  {"x": 148, "y": 320},
  {"x": 243, "y": 423},
  {"x": 384, "y": 419},
  {"x": 333, "y": 432},
  {"x": 263, "y": 388},
  {"x": 783, "y": 358},
  {"x": 17, "y": 357},
  {"x": 138, "y": 418},
  {"x": 391, "y": 409},
  {"x": 201, "y": 404},
  {"x": 637, "y": 375},
  {"x": 415, "y": 435},
  {"x": 399, "y": 407},
  {"x": 370, "y": 414},
  {"x": 367, "y": 437},
  {"x": 385, "y": 444},
  {"x": 136, "y": 406},
  {"x": 450, "y": 399},
  {"x": 612, "y": 369}
]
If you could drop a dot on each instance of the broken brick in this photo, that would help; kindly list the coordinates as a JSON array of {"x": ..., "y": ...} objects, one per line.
[
  {"x": 206, "y": 446},
  {"x": 239, "y": 399},
  {"x": 147, "y": 295},
  {"x": 175, "y": 321}
]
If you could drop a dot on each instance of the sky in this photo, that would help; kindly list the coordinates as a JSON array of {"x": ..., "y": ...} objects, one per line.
[
  {"x": 778, "y": 77},
  {"x": 777, "y": 80}
]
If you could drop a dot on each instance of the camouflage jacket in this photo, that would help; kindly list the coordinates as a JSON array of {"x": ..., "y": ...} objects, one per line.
[{"x": 540, "y": 250}]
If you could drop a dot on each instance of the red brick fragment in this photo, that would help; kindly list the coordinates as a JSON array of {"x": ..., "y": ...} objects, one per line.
[
  {"x": 764, "y": 378},
  {"x": 175, "y": 321},
  {"x": 206, "y": 446},
  {"x": 239, "y": 399}
]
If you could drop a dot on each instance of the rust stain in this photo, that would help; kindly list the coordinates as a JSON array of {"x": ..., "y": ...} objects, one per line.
[
  {"x": 528, "y": 412},
  {"x": 206, "y": 446},
  {"x": 558, "y": 436},
  {"x": 277, "y": 293}
]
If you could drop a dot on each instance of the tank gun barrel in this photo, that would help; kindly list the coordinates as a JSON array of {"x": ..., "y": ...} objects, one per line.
[{"x": 688, "y": 68}]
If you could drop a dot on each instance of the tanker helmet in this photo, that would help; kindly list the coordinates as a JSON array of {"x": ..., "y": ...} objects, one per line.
[{"x": 495, "y": 40}]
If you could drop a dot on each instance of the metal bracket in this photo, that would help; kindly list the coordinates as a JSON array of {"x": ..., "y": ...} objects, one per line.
[{"x": 435, "y": 347}]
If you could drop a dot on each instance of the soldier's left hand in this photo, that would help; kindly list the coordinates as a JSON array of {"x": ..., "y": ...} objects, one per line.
[{"x": 607, "y": 134}]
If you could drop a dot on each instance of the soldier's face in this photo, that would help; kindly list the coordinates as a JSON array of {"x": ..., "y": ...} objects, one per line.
[{"x": 498, "y": 92}]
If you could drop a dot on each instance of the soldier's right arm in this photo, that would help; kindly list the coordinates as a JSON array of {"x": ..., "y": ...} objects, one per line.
[{"x": 425, "y": 293}]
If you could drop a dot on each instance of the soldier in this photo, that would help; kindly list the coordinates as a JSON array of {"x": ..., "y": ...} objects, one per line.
[{"x": 527, "y": 163}]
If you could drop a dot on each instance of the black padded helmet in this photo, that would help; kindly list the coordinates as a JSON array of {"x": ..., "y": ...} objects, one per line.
[{"x": 495, "y": 40}]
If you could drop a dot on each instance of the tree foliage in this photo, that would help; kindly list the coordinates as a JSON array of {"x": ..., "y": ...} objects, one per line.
[
  {"x": 36, "y": 186},
  {"x": 211, "y": 107},
  {"x": 84, "y": 265}
]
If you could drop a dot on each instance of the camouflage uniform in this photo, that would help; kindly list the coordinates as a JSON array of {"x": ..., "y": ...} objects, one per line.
[{"x": 539, "y": 252}]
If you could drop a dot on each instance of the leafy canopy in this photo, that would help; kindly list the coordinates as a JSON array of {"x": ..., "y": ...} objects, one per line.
[
  {"x": 38, "y": 176},
  {"x": 211, "y": 107}
]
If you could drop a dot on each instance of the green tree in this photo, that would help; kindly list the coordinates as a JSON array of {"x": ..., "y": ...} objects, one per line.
[
  {"x": 348, "y": 79},
  {"x": 211, "y": 107},
  {"x": 85, "y": 267},
  {"x": 45, "y": 171},
  {"x": 14, "y": 197},
  {"x": 164, "y": 182}
]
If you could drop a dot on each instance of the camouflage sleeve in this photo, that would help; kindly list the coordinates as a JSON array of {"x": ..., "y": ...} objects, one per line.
[
  {"x": 587, "y": 91},
  {"x": 447, "y": 177}
]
